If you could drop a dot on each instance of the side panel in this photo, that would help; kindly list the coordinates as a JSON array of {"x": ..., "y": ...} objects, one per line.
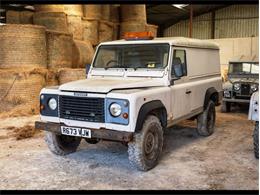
[{"x": 203, "y": 73}]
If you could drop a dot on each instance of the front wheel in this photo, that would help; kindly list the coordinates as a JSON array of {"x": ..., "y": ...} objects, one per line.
[
  {"x": 256, "y": 140},
  {"x": 145, "y": 149},
  {"x": 61, "y": 144},
  {"x": 206, "y": 120}
]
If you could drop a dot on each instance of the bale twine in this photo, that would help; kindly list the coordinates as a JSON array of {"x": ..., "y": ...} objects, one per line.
[
  {"x": 92, "y": 12},
  {"x": 152, "y": 28},
  {"x": 49, "y": 8},
  {"x": 73, "y": 9},
  {"x": 75, "y": 26},
  {"x": 51, "y": 20},
  {"x": 22, "y": 46},
  {"x": 114, "y": 14},
  {"x": 12, "y": 17},
  {"x": 90, "y": 30},
  {"x": 131, "y": 27},
  {"x": 26, "y": 17},
  {"x": 133, "y": 13},
  {"x": 105, "y": 12},
  {"x": 83, "y": 53},
  {"x": 59, "y": 49},
  {"x": 21, "y": 88},
  {"x": 68, "y": 75},
  {"x": 105, "y": 32}
]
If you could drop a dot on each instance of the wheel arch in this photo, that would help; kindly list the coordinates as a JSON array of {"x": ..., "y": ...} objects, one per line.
[
  {"x": 211, "y": 94},
  {"x": 154, "y": 107}
]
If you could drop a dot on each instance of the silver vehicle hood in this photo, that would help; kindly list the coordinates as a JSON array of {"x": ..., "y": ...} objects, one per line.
[
  {"x": 249, "y": 80},
  {"x": 105, "y": 85}
]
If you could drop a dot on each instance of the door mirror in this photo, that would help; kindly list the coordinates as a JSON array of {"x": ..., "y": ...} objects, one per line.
[{"x": 177, "y": 67}]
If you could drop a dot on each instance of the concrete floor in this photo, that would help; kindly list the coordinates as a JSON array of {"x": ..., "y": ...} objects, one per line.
[{"x": 224, "y": 160}]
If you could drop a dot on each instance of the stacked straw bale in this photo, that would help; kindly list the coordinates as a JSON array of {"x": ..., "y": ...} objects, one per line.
[
  {"x": 83, "y": 53},
  {"x": 51, "y": 20},
  {"x": 16, "y": 17},
  {"x": 49, "y": 8},
  {"x": 22, "y": 46},
  {"x": 90, "y": 30},
  {"x": 92, "y": 12},
  {"x": 152, "y": 28},
  {"x": 20, "y": 88},
  {"x": 59, "y": 49},
  {"x": 105, "y": 31},
  {"x": 66, "y": 75},
  {"x": 73, "y": 9},
  {"x": 133, "y": 18},
  {"x": 75, "y": 26}
]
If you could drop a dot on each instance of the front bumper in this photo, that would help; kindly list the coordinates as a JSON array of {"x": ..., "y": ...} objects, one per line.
[
  {"x": 236, "y": 100},
  {"x": 104, "y": 134}
]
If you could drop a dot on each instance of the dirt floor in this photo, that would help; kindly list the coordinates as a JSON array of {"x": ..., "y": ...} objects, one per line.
[{"x": 224, "y": 160}]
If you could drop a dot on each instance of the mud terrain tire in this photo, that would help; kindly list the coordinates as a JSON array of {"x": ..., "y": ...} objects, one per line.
[
  {"x": 61, "y": 144},
  {"x": 256, "y": 140},
  {"x": 145, "y": 148},
  {"x": 206, "y": 120}
]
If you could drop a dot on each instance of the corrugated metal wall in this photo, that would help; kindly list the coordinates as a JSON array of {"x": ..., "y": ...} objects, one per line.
[
  {"x": 230, "y": 22},
  {"x": 201, "y": 28}
]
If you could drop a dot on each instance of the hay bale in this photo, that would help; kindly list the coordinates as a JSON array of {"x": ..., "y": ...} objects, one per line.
[
  {"x": 105, "y": 32},
  {"x": 22, "y": 46},
  {"x": 83, "y": 53},
  {"x": 92, "y": 12},
  {"x": 59, "y": 49},
  {"x": 152, "y": 28},
  {"x": 51, "y": 20},
  {"x": 26, "y": 17},
  {"x": 114, "y": 14},
  {"x": 52, "y": 77},
  {"x": 21, "y": 89},
  {"x": 105, "y": 10},
  {"x": 90, "y": 30},
  {"x": 68, "y": 75},
  {"x": 116, "y": 31},
  {"x": 135, "y": 13},
  {"x": 12, "y": 17},
  {"x": 131, "y": 27},
  {"x": 75, "y": 26},
  {"x": 49, "y": 8},
  {"x": 73, "y": 9}
]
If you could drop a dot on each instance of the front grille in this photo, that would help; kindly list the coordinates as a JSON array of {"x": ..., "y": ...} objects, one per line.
[
  {"x": 245, "y": 89},
  {"x": 82, "y": 108}
]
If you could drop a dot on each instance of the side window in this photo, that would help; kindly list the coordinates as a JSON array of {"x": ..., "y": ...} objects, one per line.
[{"x": 179, "y": 56}]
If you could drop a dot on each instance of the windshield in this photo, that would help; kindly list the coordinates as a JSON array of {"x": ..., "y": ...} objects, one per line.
[
  {"x": 243, "y": 68},
  {"x": 154, "y": 56}
]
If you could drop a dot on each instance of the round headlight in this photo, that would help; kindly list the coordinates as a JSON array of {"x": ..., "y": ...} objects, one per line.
[
  {"x": 236, "y": 86},
  {"x": 115, "y": 109},
  {"x": 52, "y": 104},
  {"x": 254, "y": 87}
]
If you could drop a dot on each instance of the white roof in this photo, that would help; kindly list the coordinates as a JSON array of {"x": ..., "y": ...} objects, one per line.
[
  {"x": 177, "y": 41},
  {"x": 244, "y": 58}
]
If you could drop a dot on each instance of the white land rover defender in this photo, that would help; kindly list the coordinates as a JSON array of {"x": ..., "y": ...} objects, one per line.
[{"x": 135, "y": 89}]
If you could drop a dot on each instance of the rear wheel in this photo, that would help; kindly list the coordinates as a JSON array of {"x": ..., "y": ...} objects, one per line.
[
  {"x": 61, "y": 144},
  {"x": 145, "y": 149},
  {"x": 256, "y": 140},
  {"x": 206, "y": 120},
  {"x": 226, "y": 107}
]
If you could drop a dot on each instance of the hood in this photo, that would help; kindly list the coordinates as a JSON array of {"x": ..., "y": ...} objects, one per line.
[
  {"x": 105, "y": 85},
  {"x": 246, "y": 80}
]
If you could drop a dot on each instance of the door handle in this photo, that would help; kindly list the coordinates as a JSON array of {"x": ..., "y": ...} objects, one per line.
[{"x": 188, "y": 91}]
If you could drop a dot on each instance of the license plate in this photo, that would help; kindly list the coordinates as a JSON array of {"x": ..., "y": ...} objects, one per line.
[{"x": 75, "y": 131}]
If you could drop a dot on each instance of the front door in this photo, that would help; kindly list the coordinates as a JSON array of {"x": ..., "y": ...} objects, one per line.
[{"x": 180, "y": 89}]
